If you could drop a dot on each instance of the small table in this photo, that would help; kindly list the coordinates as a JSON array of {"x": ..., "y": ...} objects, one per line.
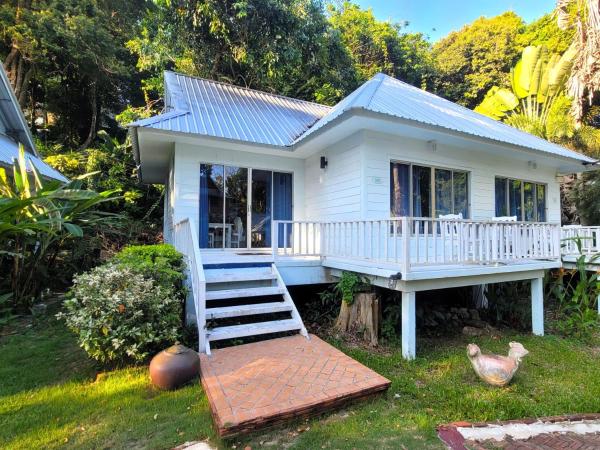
[{"x": 215, "y": 226}]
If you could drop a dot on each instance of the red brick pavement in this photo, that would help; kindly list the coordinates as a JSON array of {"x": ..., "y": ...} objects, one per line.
[
  {"x": 548, "y": 441},
  {"x": 255, "y": 385}
]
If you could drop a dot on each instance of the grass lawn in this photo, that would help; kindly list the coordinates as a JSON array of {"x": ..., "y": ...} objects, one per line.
[{"x": 52, "y": 396}]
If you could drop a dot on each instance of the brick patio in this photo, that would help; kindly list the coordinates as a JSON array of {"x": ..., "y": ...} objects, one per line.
[{"x": 263, "y": 383}]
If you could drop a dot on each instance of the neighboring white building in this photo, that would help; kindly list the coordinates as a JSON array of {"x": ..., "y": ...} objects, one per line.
[
  {"x": 14, "y": 131},
  {"x": 377, "y": 185}
]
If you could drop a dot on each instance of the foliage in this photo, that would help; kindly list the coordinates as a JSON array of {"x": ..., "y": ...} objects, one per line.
[
  {"x": 38, "y": 219},
  {"x": 470, "y": 61},
  {"x": 68, "y": 59},
  {"x": 582, "y": 17},
  {"x": 349, "y": 284},
  {"x": 161, "y": 262},
  {"x": 545, "y": 31},
  {"x": 119, "y": 313},
  {"x": 537, "y": 80},
  {"x": 576, "y": 292},
  {"x": 392, "y": 315},
  {"x": 62, "y": 400},
  {"x": 377, "y": 46}
]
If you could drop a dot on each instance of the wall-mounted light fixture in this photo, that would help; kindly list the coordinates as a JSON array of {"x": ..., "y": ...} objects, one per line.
[
  {"x": 432, "y": 145},
  {"x": 531, "y": 165},
  {"x": 323, "y": 162}
]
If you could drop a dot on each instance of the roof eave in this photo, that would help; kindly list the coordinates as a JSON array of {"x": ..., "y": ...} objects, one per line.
[{"x": 361, "y": 111}]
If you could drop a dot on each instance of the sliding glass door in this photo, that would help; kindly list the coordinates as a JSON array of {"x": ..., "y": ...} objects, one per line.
[{"x": 238, "y": 205}]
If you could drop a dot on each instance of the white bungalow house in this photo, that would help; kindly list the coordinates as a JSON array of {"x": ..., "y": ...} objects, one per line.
[
  {"x": 14, "y": 131},
  {"x": 410, "y": 190}
]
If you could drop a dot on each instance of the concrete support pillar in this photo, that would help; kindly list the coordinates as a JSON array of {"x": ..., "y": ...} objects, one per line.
[
  {"x": 409, "y": 325},
  {"x": 537, "y": 306},
  {"x": 598, "y": 304}
]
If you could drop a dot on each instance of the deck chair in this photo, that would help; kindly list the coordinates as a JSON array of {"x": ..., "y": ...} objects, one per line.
[{"x": 237, "y": 233}]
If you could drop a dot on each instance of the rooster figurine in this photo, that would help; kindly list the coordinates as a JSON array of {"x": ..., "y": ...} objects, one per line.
[{"x": 493, "y": 369}]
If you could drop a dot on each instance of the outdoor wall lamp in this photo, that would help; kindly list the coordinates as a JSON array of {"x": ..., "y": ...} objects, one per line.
[{"x": 323, "y": 162}]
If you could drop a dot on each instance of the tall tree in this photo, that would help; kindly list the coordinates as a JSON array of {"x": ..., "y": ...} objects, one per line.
[
  {"x": 67, "y": 61},
  {"x": 583, "y": 16},
  {"x": 380, "y": 46},
  {"x": 273, "y": 45},
  {"x": 472, "y": 60}
]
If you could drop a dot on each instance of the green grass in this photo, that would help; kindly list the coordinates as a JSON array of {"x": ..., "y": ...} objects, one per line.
[{"x": 51, "y": 396}]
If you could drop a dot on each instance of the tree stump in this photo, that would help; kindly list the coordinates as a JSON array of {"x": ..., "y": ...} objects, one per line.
[{"x": 362, "y": 316}]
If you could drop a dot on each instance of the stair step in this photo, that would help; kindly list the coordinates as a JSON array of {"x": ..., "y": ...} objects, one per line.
[
  {"x": 245, "y": 292},
  {"x": 253, "y": 329},
  {"x": 234, "y": 275},
  {"x": 247, "y": 310}
]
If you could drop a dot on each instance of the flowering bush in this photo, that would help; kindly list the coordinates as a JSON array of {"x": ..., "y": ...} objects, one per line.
[{"x": 119, "y": 313}]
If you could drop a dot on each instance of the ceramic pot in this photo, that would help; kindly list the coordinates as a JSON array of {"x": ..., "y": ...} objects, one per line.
[{"x": 174, "y": 367}]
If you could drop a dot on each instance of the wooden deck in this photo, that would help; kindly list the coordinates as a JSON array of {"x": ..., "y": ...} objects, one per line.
[{"x": 265, "y": 383}]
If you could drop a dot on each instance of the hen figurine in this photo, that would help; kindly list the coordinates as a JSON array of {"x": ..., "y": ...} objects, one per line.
[{"x": 494, "y": 369}]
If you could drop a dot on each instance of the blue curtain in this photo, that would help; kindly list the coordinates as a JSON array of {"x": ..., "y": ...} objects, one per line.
[
  {"x": 282, "y": 202},
  {"x": 399, "y": 187},
  {"x": 204, "y": 175}
]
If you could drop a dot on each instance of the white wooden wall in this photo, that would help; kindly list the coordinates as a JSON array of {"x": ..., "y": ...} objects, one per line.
[{"x": 334, "y": 193}]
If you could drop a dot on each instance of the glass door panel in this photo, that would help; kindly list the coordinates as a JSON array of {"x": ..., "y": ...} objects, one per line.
[
  {"x": 261, "y": 210},
  {"x": 211, "y": 206},
  {"x": 236, "y": 207}
]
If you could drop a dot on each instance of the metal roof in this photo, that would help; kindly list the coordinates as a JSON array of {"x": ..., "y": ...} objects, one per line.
[
  {"x": 9, "y": 151},
  {"x": 390, "y": 96},
  {"x": 12, "y": 117},
  {"x": 210, "y": 108}
]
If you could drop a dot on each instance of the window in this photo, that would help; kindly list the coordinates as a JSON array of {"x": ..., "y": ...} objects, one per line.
[
  {"x": 422, "y": 191},
  {"x": 523, "y": 199}
]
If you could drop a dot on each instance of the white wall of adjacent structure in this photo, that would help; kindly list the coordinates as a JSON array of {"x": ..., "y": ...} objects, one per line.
[
  {"x": 186, "y": 175},
  {"x": 356, "y": 182}
]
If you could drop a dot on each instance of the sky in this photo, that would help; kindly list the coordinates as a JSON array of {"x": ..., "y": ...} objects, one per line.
[{"x": 436, "y": 18}]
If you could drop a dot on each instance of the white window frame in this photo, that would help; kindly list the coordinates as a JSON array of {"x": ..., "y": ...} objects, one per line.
[{"x": 523, "y": 181}]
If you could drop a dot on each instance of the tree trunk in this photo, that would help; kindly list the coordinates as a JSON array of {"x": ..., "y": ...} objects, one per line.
[
  {"x": 94, "y": 106},
  {"x": 362, "y": 316}
]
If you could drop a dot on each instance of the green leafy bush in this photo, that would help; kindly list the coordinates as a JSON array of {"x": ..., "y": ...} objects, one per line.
[
  {"x": 130, "y": 307},
  {"x": 576, "y": 293},
  {"x": 161, "y": 262}
]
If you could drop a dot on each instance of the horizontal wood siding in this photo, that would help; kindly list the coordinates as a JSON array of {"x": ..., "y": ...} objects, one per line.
[
  {"x": 335, "y": 192},
  {"x": 483, "y": 168}
]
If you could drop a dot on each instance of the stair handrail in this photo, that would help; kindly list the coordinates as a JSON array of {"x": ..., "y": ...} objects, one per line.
[{"x": 186, "y": 242}]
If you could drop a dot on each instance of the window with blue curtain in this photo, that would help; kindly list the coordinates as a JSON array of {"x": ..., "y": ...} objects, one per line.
[
  {"x": 282, "y": 202},
  {"x": 524, "y": 199}
]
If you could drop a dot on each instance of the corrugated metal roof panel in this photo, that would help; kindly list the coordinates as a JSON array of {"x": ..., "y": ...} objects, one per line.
[
  {"x": 9, "y": 151},
  {"x": 211, "y": 108},
  {"x": 387, "y": 95}
]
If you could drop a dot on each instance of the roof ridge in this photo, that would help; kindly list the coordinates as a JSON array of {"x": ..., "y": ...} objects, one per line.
[
  {"x": 223, "y": 83},
  {"x": 379, "y": 78}
]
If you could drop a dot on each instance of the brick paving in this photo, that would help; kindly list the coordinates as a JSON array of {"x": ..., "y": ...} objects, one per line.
[
  {"x": 451, "y": 435},
  {"x": 546, "y": 441},
  {"x": 263, "y": 383}
]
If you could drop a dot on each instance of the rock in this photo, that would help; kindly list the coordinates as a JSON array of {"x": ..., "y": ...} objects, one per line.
[
  {"x": 439, "y": 316},
  {"x": 472, "y": 331},
  {"x": 477, "y": 323},
  {"x": 474, "y": 314},
  {"x": 463, "y": 313}
]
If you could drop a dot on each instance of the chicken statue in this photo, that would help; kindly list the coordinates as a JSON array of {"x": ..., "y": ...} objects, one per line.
[{"x": 494, "y": 369}]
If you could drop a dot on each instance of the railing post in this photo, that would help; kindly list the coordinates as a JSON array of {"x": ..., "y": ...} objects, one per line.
[
  {"x": 275, "y": 239},
  {"x": 405, "y": 245}
]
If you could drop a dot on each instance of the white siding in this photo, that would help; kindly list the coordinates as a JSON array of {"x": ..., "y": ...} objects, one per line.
[
  {"x": 335, "y": 192},
  {"x": 169, "y": 201},
  {"x": 379, "y": 150},
  {"x": 186, "y": 192}
]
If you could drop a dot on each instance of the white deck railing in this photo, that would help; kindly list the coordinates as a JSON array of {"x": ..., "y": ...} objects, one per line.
[
  {"x": 186, "y": 242},
  {"x": 589, "y": 236},
  {"x": 412, "y": 242}
]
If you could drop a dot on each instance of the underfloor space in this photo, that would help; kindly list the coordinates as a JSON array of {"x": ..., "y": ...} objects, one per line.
[{"x": 264, "y": 383}]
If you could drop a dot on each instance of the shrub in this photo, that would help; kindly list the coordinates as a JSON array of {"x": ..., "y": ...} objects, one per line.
[
  {"x": 119, "y": 313},
  {"x": 161, "y": 262}
]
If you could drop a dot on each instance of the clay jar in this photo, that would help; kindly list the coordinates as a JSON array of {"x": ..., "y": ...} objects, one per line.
[{"x": 174, "y": 367}]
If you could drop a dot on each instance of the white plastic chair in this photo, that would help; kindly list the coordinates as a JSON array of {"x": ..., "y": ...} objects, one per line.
[{"x": 237, "y": 233}]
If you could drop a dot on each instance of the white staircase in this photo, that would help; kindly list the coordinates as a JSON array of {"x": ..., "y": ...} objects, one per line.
[{"x": 254, "y": 294}]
